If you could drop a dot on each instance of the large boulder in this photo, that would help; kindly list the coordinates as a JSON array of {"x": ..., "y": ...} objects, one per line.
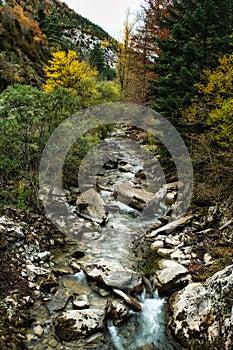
[
  {"x": 171, "y": 277},
  {"x": 73, "y": 324},
  {"x": 201, "y": 315},
  {"x": 113, "y": 275},
  {"x": 133, "y": 196},
  {"x": 91, "y": 206}
]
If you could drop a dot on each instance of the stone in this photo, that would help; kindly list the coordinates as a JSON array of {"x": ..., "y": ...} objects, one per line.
[
  {"x": 38, "y": 330},
  {"x": 133, "y": 196},
  {"x": 60, "y": 270},
  {"x": 44, "y": 255},
  {"x": 132, "y": 302},
  {"x": 206, "y": 307},
  {"x": 118, "y": 311},
  {"x": 172, "y": 276},
  {"x": 73, "y": 324},
  {"x": 33, "y": 271},
  {"x": 165, "y": 252},
  {"x": 113, "y": 275},
  {"x": 15, "y": 232},
  {"x": 171, "y": 226},
  {"x": 75, "y": 266},
  {"x": 75, "y": 287},
  {"x": 52, "y": 342},
  {"x": 178, "y": 255},
  {"x": 59, "y": 300},
  {"x": 156, "y": 245},
  {"x": 172, "y": 242},
  {"x": 91, "y": 206},
  {"x": 207, "y": 258},
  {"x": 49, "y": 282},
  {"x": 170, "y": 198},
  {"x": 80, "y": 302},
  {"x": 100, "y": 290}
]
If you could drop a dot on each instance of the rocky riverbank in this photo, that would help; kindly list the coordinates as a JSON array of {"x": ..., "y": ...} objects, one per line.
[{"x": 60, "y": 293}]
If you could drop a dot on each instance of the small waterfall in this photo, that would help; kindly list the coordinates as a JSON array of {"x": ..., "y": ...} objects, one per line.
[
  {"x": 151, "y": 323},
  {"x": 116, "y": 340},
  {"x": 150, "y": 327}
]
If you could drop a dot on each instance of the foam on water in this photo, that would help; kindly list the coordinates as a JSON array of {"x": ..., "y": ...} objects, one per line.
[{"x": 150, "y": 326}]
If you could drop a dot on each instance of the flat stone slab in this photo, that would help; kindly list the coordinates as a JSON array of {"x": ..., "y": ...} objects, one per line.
[
  {"x": 59, "y": 300},
  {"x": 133, "y": 196},
  {"x": 171, "y": 226},
  {"x": 113, "y": 275}
]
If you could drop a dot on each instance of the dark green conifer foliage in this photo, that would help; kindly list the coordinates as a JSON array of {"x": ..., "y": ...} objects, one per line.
[
  {"x": 96, "y": 58},
  {"x": 200, "y": 33}
]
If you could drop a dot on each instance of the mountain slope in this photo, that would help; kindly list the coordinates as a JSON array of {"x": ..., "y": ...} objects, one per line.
[{"x": 31, "y": 29}]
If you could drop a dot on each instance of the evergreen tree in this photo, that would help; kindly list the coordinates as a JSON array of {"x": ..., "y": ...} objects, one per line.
[
  {"x": 96, "y": 58},
  {"x": 200, "y": 33}
]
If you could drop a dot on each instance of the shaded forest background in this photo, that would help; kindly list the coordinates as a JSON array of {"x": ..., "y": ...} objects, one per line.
[{"x": 175, "y": 57}]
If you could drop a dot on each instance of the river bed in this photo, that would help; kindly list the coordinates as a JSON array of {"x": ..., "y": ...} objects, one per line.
[{"x": 111, "y": 242}]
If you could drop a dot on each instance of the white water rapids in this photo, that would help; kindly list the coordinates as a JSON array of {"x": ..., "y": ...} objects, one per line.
[{"x": 150, "y": 327}]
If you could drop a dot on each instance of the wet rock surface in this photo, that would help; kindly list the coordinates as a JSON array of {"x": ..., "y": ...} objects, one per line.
[
  {"x": 59, "y": 292},
  {"x": 134, "y": 196},
  {"x": 113, "y": 275},
  {"x": 91, "y": 206}
]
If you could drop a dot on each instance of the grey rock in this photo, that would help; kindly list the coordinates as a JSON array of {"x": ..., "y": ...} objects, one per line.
[
  {"x": 156, "y": 245},
  {"x": 60, "y": 270},
  {"x": 170, "y": 198},
  {"x": 133, "y": 196},
  {"x": 59, "y": 300},
  {"x": 132, "y": 302},
  {"x": 178, "y": 255},
  {"x": 113, "y": 275},
  {"x": 91, "y": 206},
  {"x": 80, "y": 302},
  {"x": 172, "y": 242},
  {"x": 171, "y": 277},
  {"x": 171, "y": 226},
  {"x": 33, "y": 271},
  {"x": 44, "y": 255},
  {"x": 165, "y": 252},
  {"x": 75, "y": 287},
  {"x": 206, "y": 307},
  {"x": 38, "y": 330},
  {"x": 73, "y": 324},
  {"x": 118, "y": 311},
  {"x": 100, "y": 290}
]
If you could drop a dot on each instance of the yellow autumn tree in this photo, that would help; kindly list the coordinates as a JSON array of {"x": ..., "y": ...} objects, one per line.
[
  {"x": 216, "y": 86},
  {"x": 66, "y": 70}
]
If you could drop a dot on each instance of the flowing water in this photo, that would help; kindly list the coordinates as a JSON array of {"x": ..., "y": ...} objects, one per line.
[
  {"x": 148, "y": 325},
  {"x": 114, "y": 242}
]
